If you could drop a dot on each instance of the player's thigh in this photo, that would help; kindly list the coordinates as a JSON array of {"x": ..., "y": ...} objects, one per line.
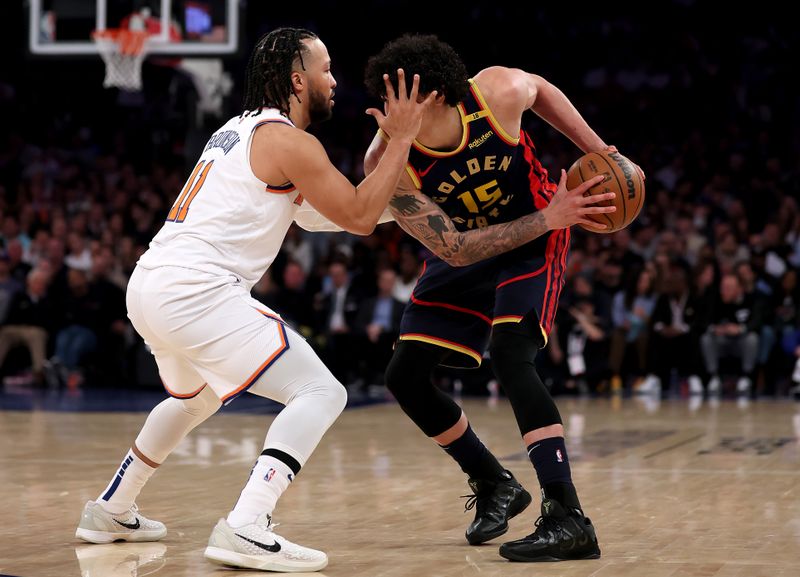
[
  {"x": 298, "y": 371},
  {"x": 234, "y": 344},
  {"x": 178, "y": 374}
]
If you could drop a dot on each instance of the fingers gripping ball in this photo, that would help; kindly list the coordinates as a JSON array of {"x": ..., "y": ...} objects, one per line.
[{"x": 622, "y": 178}]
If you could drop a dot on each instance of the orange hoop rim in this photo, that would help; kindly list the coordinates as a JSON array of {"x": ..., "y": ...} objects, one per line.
[{"x": 130, "y": 42}]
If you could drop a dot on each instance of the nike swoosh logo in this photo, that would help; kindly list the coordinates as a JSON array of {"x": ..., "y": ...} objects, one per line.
[
  {"x": 427, "y": 170},
  {"x": 129, "y": 525},
  {"x": 274, "y": 548}
]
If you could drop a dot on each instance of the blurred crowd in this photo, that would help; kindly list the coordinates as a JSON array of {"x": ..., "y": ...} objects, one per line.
[{"x": 700, "y": 293}]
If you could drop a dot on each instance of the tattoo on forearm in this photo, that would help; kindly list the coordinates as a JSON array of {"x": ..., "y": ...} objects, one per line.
[
  {"x": 499, "y": 238},
  {"x": 406, "y": 204},
  {"x": 436, "y": 222},
  {"x": 425, "y": 221}
]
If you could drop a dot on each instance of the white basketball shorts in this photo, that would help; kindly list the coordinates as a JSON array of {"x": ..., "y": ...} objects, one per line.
[{"x": 204, "y": 329}]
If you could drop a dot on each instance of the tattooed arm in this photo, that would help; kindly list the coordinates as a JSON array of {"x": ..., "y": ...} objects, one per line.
[{"x": 422, "y": 218}]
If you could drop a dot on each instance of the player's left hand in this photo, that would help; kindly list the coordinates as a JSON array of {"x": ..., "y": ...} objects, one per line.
[{"x": 613, "y": 148}]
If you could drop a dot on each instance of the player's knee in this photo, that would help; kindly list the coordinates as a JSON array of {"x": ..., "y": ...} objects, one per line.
[
  {"x": 202, "y": 405},
  {"x": 402, "y": 378},
  {"x": 338, "y": 397},
  {"x": 327, "y": 393},
  {"x": 393, "y": 375},
  {"x": 508, "y": 349}
]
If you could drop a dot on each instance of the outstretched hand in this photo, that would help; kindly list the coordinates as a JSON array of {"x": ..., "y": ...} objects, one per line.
[
  {"x": 613, "y": 148},
  {"x": 568, "y": 207},
  {"x": 403, "y": 113}
]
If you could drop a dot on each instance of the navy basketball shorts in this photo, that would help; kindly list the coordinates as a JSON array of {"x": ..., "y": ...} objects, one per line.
[{"x": 456, "y": 307}]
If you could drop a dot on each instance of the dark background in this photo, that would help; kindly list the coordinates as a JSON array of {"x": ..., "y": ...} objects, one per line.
[{"x": 696, "y": 90}]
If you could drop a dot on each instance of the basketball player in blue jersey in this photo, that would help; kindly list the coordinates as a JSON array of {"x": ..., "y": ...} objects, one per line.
[
  {"x": 189, "y": 296},
  {"x": 476, "y": 195}
]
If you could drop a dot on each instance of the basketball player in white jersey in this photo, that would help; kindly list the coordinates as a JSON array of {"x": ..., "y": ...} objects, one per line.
[{"x": 189, "y": 296}]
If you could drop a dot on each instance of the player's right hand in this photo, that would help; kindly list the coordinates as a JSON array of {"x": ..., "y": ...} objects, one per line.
[
  {"x": 568, "y": 207},
  {"x": 403, "y": 113}
]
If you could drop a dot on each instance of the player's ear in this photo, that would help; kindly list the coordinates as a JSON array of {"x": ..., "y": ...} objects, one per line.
[{"x": 298, "y": 82}]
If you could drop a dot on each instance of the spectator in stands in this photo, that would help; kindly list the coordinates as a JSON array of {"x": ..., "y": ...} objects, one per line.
[
  {"x": 693, "y": 240},
  {"x": 30, "y": 317},
  {"x": 337, "y": 308},
  {"x": 729, "y": 251},
  {"x": 584, "y": 327},
  {"x": 410, "y": 270},
  {"x": 18, "y": 268},
  {"x": 75, "y": 337},
  {"x": 376, "y": 329},
  {"x": 11, "y": 231},
  {"x": 631, "y": 310},
  {"x": 109, "y": 315},
  {"x": 294, "y": 300},
  {"x": 9, "y": 286},
  {"x": 79, "y": 256},
  {"x": 733, "y": 331},
  {"x": 673, "y": 342}
]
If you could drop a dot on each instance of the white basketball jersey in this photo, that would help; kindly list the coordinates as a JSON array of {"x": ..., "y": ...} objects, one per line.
[{"x": 225, "y": 220}]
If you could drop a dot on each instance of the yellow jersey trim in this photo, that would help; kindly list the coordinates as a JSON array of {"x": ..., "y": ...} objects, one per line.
[
  {"x": 464, "y": 138},
  {"x": 492, "y": 120},
  {"x": 506, "y": 319},
  {"x": 414, "y": 177},
  {"x": 445, "y": 344}
]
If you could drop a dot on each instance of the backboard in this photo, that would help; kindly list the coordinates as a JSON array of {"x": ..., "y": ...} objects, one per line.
[{"x": 176, "y": 27}]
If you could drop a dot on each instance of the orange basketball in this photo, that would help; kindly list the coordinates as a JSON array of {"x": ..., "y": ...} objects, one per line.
[{"x": 622, "y": 178}]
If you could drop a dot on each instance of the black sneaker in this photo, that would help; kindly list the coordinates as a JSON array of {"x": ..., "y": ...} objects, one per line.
[
  {"x": 560, "y": 535},
  {"x": 497, "y": 501}
]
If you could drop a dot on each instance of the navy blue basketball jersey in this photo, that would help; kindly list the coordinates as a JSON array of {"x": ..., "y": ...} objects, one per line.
[{"x": 491, "y": 177}]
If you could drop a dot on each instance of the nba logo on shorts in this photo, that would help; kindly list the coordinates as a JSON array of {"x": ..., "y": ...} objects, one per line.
[
  {"x": 269, "y": 475},
  {"x": 559, "y": 457}
]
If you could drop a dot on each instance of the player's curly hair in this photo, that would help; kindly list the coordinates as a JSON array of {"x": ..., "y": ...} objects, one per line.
[
  {"x": 268, "y": 80},
  {"x": 439, "y": 67}
]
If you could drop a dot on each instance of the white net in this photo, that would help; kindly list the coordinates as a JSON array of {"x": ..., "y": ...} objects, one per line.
[{"x": 123, "y": 52}]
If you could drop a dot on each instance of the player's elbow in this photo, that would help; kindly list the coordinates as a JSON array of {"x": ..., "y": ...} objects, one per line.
[
  {"x": 363, "y": 228},
  {"x": 360, "y": 222},
  {"x": 454, "y": 260}
]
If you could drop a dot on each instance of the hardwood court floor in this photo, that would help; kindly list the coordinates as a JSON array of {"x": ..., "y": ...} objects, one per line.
[{"x": 673, "y": 492}]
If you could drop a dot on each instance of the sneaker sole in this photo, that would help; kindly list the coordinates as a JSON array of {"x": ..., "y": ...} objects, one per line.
[
  {"x": 515, "y": 509},
  {"x": 99, "y": 537},
  {"x": 227, "y": 557},
  {"x": 511, "y": 556}
]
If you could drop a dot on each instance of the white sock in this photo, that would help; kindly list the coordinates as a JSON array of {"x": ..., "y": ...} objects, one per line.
[
  {"x": 268, "y": 480},
  {"x": 123, "y": 489}
]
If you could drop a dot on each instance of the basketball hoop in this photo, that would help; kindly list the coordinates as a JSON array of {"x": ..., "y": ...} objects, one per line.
[{"x": 123, "y": 52}]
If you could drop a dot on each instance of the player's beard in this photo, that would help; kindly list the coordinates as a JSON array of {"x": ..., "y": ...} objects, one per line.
[{"x": 319, "y": 106}]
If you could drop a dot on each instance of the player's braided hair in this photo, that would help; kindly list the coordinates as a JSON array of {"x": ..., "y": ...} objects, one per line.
[
  {"x": 439, "y": 67},
  {"x": 268, "y": 82}
]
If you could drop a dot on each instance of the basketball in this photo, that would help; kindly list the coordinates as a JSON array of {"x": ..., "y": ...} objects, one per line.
[{"x": 622, "y": 178}]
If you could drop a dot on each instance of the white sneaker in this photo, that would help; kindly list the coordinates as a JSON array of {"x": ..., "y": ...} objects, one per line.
[
  {"x": 695, "y": 385},
  {"x": 121, "y": 559},
  {"x": 743, "y": 385},
  {"x": 99, "y": 526},
  {"x": 714, "y": 385},
  {"x": 256, "y": 546},
  {"x": 649, "y": 386}
]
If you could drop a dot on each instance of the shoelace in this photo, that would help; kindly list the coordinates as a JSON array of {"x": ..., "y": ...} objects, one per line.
[
  {"x": 132, "y": 513},
  {"x": 549, "y": 524},
  {"x": 270, "y": 526},
  {"x": 471, "y": 501}
]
